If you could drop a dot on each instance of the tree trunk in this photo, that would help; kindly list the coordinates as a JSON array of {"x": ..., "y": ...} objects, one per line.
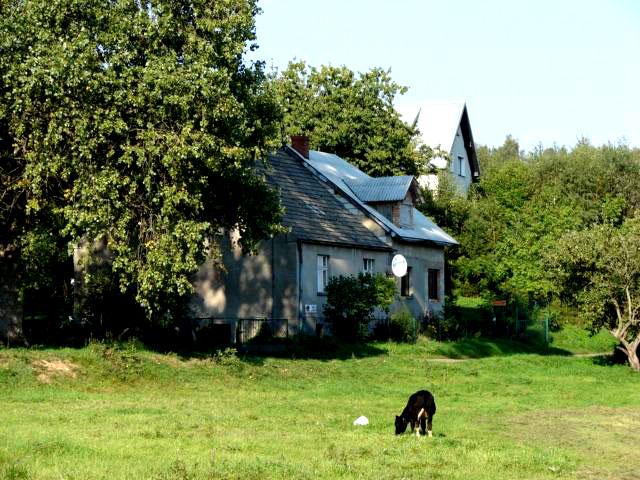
[
  {"x": 631, "y": 351},
  {"x": 634, "y": 360}
]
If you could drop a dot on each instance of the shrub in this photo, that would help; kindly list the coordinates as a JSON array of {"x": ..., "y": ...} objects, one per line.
[
  {"x": 227, "y": 357},
  {"x": 403, "y": 326},
  {"x": 464, "y": 317},
  {"x": 351, "y": 301}
]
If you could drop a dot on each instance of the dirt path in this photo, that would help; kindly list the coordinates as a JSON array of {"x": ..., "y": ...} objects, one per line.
[{"x": 458, "y": 360}]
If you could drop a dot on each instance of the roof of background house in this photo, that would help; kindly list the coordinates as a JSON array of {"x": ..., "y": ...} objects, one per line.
[
  {"x": 438, "y": 123},
  {"x": 311, "y": 210},
  {"x": 341, "y": 173}
]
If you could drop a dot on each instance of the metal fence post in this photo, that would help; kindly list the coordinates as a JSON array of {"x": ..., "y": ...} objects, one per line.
[{"x": 546, "y": 327}]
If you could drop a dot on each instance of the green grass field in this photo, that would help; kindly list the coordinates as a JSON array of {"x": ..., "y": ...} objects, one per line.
[{"x": 124, "y": 413}]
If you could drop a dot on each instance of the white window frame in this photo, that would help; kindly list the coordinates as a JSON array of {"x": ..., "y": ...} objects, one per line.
[
  {"x": 322, "y": 270},
  {"x": 368, "y": 265}
]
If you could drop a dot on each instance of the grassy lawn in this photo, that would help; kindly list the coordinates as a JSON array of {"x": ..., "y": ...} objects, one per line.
[{"x": 121, "y": 413}]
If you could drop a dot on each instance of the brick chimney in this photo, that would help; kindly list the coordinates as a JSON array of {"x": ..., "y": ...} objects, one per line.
[{"x": 301, "y": 144}]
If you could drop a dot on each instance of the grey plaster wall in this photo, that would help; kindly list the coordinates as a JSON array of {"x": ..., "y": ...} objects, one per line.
[
  {"x": 266, "y": 285},
  {"x": 262, "y": 285},
  {"x": 421, "y": 258},
  {"x": 342, "y": 261}
]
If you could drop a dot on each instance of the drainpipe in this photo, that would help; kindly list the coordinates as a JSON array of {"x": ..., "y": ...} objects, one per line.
[
  {"x": 300, "y": 307},
  {"x": 273, "y": 279}
]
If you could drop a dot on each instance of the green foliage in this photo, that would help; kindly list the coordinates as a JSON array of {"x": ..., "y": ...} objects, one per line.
[
  {"x": 556, "y": 223},
  {"x": 139, "y": 123},
  {"x": 352, "y": 300},
  {"x": 384, "y": 291},
  {"x": 599, "y": 270},
  {"x": 525, "y": 204},
  {"x": 227, "y": 357},
  {"x": 351, "y": 115},
  {"x": 403, "y": 327},
  {"x": 445, "y": 205},
  {"x": 490, "y": 158}
]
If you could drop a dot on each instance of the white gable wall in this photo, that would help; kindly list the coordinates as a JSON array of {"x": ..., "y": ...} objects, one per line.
[{"x": 462, "y": 178}]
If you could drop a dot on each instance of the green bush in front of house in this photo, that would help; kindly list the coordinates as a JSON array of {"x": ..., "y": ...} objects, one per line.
[
  {"x": 403, "y": 326},
  {"x": 352, "y": 300}
]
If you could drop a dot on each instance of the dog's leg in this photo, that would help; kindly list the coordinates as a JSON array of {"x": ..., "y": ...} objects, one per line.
[
  {"x": 429, "y": 425},
  {"x": 420, "y": 421}
]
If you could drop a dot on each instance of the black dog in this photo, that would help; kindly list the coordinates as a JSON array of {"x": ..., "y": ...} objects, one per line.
[{"x": 419, "y": 411}]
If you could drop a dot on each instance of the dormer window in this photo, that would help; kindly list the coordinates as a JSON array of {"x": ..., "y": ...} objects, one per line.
[{"x": 406, "y": 215}]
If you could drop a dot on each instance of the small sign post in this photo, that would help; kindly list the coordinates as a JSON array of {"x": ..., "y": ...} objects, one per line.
[{"x": 546, "y": 327}]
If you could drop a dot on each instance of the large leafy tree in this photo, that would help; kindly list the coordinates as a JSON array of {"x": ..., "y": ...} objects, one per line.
[
  {"x": 351, "y": 115},
  {"x": 135, "y": 122},
  {"x": 600, "y": 271},
  {"x": 525, "y": 203}
]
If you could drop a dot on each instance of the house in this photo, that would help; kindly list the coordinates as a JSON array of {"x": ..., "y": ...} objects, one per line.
[
  {"x": 341, "y": 221},
  {"x": 445, "y": 127}
]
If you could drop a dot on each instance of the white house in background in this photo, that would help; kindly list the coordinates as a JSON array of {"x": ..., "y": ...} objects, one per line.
[{"x": 445, "y": 127}]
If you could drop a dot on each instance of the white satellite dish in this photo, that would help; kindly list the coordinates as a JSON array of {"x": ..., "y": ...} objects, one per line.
[{"x": 399, "y": 265}]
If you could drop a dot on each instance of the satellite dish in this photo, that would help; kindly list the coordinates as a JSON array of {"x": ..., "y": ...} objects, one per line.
[{"x": 399, "y": 265}]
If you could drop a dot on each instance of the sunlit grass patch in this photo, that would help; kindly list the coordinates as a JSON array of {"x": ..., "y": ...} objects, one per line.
[{"x": 515, "y": 415}]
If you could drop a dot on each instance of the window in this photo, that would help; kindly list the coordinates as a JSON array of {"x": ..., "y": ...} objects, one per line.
[
  {"x": 433, "y": 283},
  {"x": 405, "y": 284},
  {"x": 406, "y": 215},
  {"x": 461, "y": 165},
  {"x": 368, "y": 265},
  {"x": 323, "y": 273}
]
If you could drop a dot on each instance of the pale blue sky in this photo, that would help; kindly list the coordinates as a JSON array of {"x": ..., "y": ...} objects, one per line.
[{"x": 548, "y": 71}]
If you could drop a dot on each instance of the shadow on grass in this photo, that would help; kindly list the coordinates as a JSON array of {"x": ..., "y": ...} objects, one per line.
[
  {"x": 489, "y": 347},
  {"x": 328, "y": 348},
  {"x": 308, "y": 347},
  {"x": 609, "y": 360}
]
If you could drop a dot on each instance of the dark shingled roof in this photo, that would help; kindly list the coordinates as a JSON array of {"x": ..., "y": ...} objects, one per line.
[{"x": 311, "y": 209}]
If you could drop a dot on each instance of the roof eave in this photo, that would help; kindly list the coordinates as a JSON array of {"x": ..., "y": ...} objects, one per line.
[
  {"x": 469, "y": 144},
  {"x": 382, "y": 248},
  {"x": 428, "y": 242}
]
